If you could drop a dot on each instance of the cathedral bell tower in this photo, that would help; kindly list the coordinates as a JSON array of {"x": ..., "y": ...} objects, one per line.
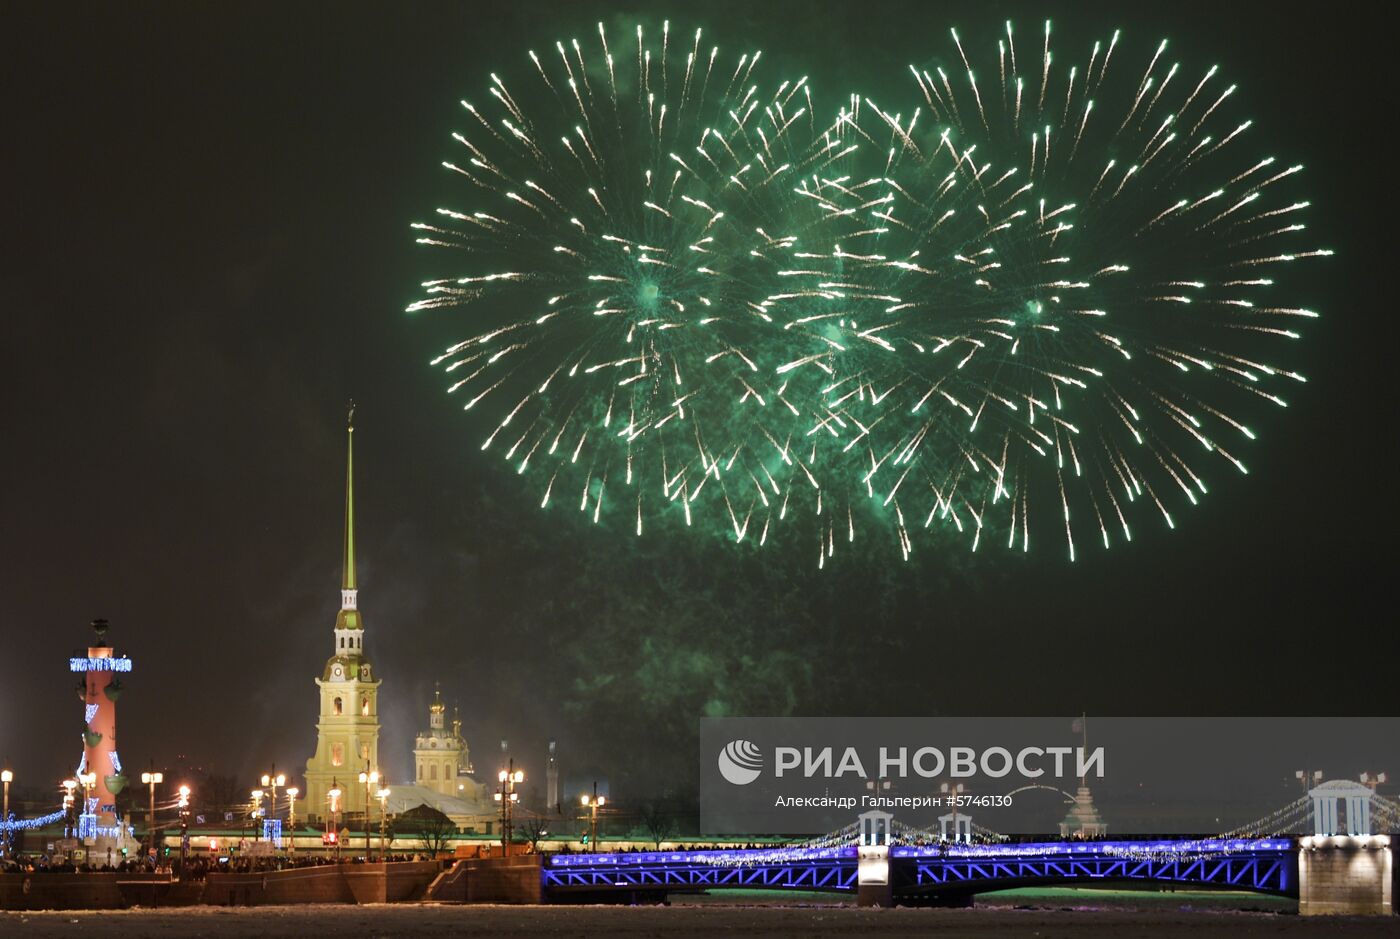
[{"x": 347, "y": 732}]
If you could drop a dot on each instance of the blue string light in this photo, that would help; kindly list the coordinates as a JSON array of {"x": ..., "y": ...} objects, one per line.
[
  {"x": 99, "y": 664},
  {"x": 29, "y": 824},
  {"x": 88, "y": 828}
]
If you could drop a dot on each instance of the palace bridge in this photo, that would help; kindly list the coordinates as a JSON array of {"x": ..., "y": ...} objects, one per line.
[
  {"x": 1341, "y": 867},
  {"x": 935, "y": 873}
]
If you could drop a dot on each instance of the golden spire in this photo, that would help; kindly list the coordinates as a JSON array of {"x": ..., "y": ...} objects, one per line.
[{"x": 348, "y": 577}]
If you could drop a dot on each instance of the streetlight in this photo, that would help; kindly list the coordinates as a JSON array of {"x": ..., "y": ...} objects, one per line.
[
  {"x": 257, "y": 812},
  {"x": 7, "y": 777},
  {"x": 1308, "y": 778},
  {"x": 383, "y": 803},
  {"x": 149, "y": 780},
  {"x": 89, "y": 781},
  {"x": 68, "y": 786},
  {"x": 593, "y": 805},
  {"x": 1373, "y": 780},
  {"x": 274, "y": 780},
  {"x": 507, "y": 796},
  {"x": 184, "y": 805},
  {"x": 333, "y": 800},
  {"x": 369, "y": 779},
  {"x": 292, "y": 793}
]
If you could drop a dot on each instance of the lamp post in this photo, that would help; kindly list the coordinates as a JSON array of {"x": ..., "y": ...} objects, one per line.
[
  {"x": 383, "y": 804},
  {"x": 184, "y": 805},
  {"x": 292, "y": 793},
  {"x": 257, "y": 814},
  {"x": 7, "y": 777},
  {"x": 1373, "y": 780},
  {"x": 593, "y": 804},
  {"x": 369, "y": 779},
  {"x": 89, "y": 781},
  {"x": 1308, "y": 778},
  {"x": 274, "y": 780},
  {"x": 333, "y": 801},
  {"x": 149, "y": 780},
  {"x": 507, "y": 796},
  {"x": 68, "y": 786}
]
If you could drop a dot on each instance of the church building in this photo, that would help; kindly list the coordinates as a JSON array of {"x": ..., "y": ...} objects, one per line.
[
  {"x": 443, "y": 776},
  {"x": 439, "y": 755},
  {"x": 347, "y": 729}
]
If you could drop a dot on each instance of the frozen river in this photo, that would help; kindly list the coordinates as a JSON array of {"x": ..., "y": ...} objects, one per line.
[{"x": 1064, "y": 916}]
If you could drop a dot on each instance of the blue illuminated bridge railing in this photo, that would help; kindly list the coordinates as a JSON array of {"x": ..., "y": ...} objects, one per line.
[
  {"x": 830, "y": 868},
  {"x": 1267, "y": 866}
]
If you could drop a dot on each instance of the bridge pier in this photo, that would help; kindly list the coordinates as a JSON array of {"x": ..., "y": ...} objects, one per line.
[
  {"x": 873, "y": 887},
  {"x": 961, "y": 825},
  {"x": 1347, "y": 875}
]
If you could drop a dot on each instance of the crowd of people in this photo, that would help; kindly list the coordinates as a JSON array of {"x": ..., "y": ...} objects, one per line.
[
  {"x": 193, "y": 868},
  {"x": 44, "y": 864},
  {"x": 633, "y": 848},
  {"x": 199, "y": 867}
]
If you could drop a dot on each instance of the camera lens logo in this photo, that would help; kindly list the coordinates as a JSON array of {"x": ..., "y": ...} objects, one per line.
[{"x": 740, "y": 762}]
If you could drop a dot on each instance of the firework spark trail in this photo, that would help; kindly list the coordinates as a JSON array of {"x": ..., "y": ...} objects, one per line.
[
  {"x": 1065, "y": 308},
  {"x": 624, "y": 234},
  {"x": 1087, "y": 334}
]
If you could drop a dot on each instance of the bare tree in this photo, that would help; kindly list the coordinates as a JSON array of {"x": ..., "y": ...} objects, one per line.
[
  {"x": 659, "y": 822},
  {"x": 534, "y": 829},
  {"x": 434, "y": 829}
]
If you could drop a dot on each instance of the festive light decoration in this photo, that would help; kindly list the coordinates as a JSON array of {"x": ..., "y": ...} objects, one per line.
[
  {"x": 29, "y": 824},
  {"x": 721, "y": 857},
  {"x": 1061, "y": 304},
  {"x": 88, "y": 827},
  {"x": 1191, "y": 847},
  {"x": 1258, "y": 865},
  {"x": 100, "y": 664},
  {"x": 1135, "y": 849}
]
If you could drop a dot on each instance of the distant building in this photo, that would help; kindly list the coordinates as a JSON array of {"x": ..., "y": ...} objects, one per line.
[
  {"x": 1083, "y": 820},
  {"x": 551, "y": 776}
]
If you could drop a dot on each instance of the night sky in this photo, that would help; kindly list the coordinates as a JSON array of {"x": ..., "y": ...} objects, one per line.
[{"x": 206, "y": 252}]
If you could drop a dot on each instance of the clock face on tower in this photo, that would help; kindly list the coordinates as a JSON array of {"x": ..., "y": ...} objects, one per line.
[
  {"x": 337, "y": 672},
  {"x": 364, "y": 671}
]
